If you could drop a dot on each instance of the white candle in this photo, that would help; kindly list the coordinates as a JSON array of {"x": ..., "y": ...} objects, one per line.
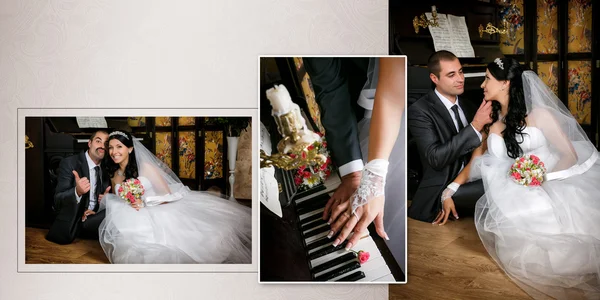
[
  {"x": 280, "y": 99},
  {"x": 433, "y": 8}
]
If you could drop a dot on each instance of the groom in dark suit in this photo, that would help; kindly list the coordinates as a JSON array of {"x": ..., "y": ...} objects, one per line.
[
  {"x": 82, "y": 183},
  {"x": 337, "y": 83},
  {"x": 446, "y": 131}
]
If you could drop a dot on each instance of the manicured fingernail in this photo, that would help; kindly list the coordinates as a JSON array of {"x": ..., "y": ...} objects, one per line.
[
  {"x": 336, "y": 242},
  {"x": 329, "y": 222},
  {"x": 387, "y": 238},
  {"x": 330, "y": 234},
  {"x": 348, "y": 246},
  {"x": 456, "y": 217}
]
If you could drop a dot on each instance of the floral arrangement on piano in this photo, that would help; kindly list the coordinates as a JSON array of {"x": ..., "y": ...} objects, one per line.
[{"x": 313, "y": 174}]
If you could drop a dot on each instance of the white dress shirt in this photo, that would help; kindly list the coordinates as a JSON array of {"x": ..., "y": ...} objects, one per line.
[
  {"x": 461, "y": 114},
  {"x": 91, "y": 164}
]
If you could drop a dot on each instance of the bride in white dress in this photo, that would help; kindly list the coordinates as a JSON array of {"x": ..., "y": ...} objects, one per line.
[
  {"x": 172, "y": 224},
  {"x": 546, "y": 238}
]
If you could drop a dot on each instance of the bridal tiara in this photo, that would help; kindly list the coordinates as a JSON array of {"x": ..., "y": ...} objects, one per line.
[
  {"x": 498, "y": 61},
  {"x": 118, "y": 133}
]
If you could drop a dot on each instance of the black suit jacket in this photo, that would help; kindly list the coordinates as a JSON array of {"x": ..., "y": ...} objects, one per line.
[
  {"x": 337, "y": 83},
  {"x": 441, "y": 149},
  {"x": 68, "y": 220}
]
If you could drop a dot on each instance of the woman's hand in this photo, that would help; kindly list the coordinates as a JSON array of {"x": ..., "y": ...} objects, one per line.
[
  {"x": 448, "y": 207},
  {"x": 137, "y": 204},
  {"x": 358, "y": 221}
]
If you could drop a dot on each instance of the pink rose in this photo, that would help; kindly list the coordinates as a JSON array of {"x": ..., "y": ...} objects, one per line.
[
  {"x": 363, "y": 256},
  {"x": 310, "y": 147},
  {"x": 522, "y": 159},
  {"x": 297, "y": 180},
  {"x": 516, "y": 175},
  {"x": 535, "y": 182}
]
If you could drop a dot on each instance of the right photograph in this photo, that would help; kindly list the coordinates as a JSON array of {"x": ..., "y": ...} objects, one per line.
[{"x": 502, "y": 148}]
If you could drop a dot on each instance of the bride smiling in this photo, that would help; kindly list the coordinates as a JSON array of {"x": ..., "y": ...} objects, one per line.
[{"x": 170, "y": 224}]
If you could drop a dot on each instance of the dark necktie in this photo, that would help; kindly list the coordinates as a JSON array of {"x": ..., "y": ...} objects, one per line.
[
  {"x": 98, "y": 188},
  {"x": 457, "y": 116}
]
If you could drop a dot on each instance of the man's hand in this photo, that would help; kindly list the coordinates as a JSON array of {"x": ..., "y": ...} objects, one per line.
[
  {"x": 448, "y": 207},
  {"x": 86, "y": 214},
  {"x": 482, "y": 117},
  {"x": 102, "y": 195},
  {"x": 333, "y": 209},
  {"x": 82, "y": 185}
]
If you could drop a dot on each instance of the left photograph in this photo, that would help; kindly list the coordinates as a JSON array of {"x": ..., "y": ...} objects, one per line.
[{"x": 138, "y": 190}]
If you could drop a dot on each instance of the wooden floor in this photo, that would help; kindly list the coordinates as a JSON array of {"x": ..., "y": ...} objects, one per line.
[
  {"x": 450, "y": 262},
  {"x": 40, "y": 251}
]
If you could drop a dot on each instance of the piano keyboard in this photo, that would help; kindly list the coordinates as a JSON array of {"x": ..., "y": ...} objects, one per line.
[{"x": 335, "y": 264}]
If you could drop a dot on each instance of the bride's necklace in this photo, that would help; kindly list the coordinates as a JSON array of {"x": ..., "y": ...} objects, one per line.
[{"x": 120, "y": 173}]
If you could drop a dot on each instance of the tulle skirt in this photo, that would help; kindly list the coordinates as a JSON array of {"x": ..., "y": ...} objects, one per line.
[
  {"x": 547, "y": 239},
  {"x": 200, "y": 228}
]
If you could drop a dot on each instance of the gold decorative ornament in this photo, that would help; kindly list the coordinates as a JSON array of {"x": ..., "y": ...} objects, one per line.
[
  {"x": 28, "y": 143},
  {"x": 491, "y": 29},
  {"x": 423, "y": 22}
]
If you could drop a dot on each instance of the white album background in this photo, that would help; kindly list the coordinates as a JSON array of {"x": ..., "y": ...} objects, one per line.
[{"x": 134, "y": 55}]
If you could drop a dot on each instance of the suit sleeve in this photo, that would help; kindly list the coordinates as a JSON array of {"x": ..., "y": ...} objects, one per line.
[
  {"x": 64, "y": 194},
  {"x": 437, "y": 153},
  {"x": 337, "y": 116}
]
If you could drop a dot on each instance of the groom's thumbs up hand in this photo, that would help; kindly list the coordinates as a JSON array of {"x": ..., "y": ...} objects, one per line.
[
  {"x": 102, "y": 195},
  {"x": 82, "y": 185}
]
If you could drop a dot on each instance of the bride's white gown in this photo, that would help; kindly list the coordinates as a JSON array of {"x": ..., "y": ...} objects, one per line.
[
  {"x": 546, "y": 238},
  {"x": 195, "y": 227}
]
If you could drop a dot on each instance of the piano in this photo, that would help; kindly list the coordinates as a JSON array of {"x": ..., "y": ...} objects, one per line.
[
  {"x": 54, "y": 138},
  {"x": 419, "y": 46},
  {"x": 295, "y": 248}
]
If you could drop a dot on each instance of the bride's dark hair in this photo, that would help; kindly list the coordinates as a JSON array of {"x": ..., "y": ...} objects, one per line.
[
  {"x": 131, "y": 170},
  {"x": 511, "y": 70}
]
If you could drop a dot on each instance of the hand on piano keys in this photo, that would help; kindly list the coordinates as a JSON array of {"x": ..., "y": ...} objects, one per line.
[{"x": 329, "y": 263}]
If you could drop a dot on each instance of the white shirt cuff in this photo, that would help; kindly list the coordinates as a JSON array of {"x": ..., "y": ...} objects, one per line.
[
  {"x": 477, "y": 131},
  {"x": 78, "y": 198},
  {"x": 353, "y": 166}
]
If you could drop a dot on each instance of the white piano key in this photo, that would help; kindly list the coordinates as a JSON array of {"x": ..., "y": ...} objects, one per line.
[
  {"x": 375, "y": 269},
  {"x": 365, "y": 244},
  {"x": 475, "y": 74},
  {"x": 316, "y": 237},
  {"x": 308, "y": 214},
  {"x": 311, "y": 229}
]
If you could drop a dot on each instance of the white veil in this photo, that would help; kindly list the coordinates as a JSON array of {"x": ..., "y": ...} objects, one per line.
[
  {"x": 163, "y": 179},
  {"x": 568, "y": 142}
]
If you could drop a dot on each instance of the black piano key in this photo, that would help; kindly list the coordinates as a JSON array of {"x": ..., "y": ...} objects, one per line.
[
  {"x": 313, "y": 190},
  {"x": 311, "y": 218},
  {"x": 314, "y": 205},
  {"x": 327, "y": 250},
  {"x": 339, "y": 271},
  {"x": 313, "y": 224},
  {"x": 356, "y": 276},
  {"x": 311, "y": 202},
  {"x": 334, "y": 262},
  {"x": 315, "y": 232},
  {"x": 318, "y": 243}
]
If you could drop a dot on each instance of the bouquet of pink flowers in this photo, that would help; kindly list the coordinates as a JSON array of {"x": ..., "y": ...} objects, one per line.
[
  {"x": 528, "y": 170},
  {"x": 131, "y": 190}
]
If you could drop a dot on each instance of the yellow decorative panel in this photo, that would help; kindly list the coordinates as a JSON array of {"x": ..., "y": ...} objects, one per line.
[
  {"x": 163, "y": 148},
  {"x": 187, "y": 154},
  {"x": 580, "y": 26},
  {"x": 548, "y": 72},
  {"x": 547, "y": 27},
  {"x": 213, "y": 154},
  {"x": 162, "y": 121},
  {"x": 580, "y": 90},
  {"x": 309, "y": 94},
  {"x": 136, "y": 121},
  {"x": 514, "y": 42},
  {"x": 187, "y": 121}
]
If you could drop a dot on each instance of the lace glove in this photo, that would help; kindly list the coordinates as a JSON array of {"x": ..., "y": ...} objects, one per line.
[
  {"x": 372, "y": 183},
  {"x": 450, "y": 190}
]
